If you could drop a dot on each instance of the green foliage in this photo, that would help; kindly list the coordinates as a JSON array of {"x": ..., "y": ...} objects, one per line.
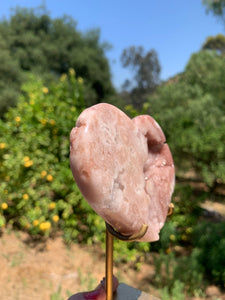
[
  {"x": 210, "y": 240},
  {"x": 190, "y": 273},
  {"x": 216, "y": 43},
  {"x": 130, "y": 252},
  {"x": 177, "y": 292},
  {"x": 179, "y": 228},
  {"x": 190, "y": 109},
  {"x": 217, "y": 7},
  {"x": 49, "y": 47},
  {"x": 11, "y": 77},
  {"x": 179, "y": 273},
  {"x": 37, "y": 189}
]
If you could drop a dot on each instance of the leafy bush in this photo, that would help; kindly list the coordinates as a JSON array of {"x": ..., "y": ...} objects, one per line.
[
  {"x": 185, "y": 270},
  {"x": 178, "y": 230},
  {"x": 205, "y": 263},
  {"x": 190, "y": 110},
  {"x": 176, "y": 293},
  {"x": 37, "y": 190},
  {"x": 210, "y": 240}
]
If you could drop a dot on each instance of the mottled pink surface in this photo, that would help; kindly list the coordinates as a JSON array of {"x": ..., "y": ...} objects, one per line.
[{"x": 123, "y": 168}]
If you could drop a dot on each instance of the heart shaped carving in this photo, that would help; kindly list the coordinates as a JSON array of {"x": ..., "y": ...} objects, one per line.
[{"x": 124, "y": 168}]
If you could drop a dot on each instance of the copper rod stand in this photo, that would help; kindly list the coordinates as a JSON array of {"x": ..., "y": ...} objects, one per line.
[{"x": 109, "y": 266}]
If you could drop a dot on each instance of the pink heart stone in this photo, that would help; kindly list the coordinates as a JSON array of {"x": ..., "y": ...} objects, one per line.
[{"x": 123, "y": 168}]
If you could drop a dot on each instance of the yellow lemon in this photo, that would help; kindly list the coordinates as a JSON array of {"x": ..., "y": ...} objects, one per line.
[
  {"x": 35, "y": 223},
  {"x": 45, "y": 226},
  {"x": 17, "y": 119},
  {"x": 52, "y": 205},
  {"x": 45, "y": 90},
  {"x": 25, "y": 196},
  {"x": 4, "y": 205},
  {"x": 2, "y": 145},
  {"x": 49, "y": 177},
  {"x": 28, "y": 163},
  {"x": 43, "y": 173},
  {"x": 55, "y": 218}
]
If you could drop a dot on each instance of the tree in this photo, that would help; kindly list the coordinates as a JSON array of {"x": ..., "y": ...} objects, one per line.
[
  {"x": 191, "y": 113},
  {"x": 217, "y": 7},
  {"x": 10, "y": 78},
  {"x": 216, "y": 43},
  {"x": 50, "y": 47},
  {"x": 146, "y": 69}
]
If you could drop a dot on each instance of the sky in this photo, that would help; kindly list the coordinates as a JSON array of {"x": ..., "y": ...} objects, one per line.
[{"x": 175, "y": 29}]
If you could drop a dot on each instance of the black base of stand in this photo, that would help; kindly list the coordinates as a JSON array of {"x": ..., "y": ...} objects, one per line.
[{"x": 127, "y": 292}]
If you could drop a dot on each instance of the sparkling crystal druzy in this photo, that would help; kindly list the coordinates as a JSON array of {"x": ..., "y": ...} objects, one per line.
[{"x": 124, "y": 168}]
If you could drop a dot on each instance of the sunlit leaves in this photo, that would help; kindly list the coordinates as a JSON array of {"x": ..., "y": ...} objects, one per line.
[
  {"x": 190, "y": 110},
  {"x": 34, "y": 155}
]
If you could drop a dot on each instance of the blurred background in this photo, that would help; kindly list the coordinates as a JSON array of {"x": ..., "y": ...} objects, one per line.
[{"x": 166, "y": 59}]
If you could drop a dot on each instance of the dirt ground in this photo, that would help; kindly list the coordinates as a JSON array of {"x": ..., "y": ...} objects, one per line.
[
  {"x": 30, "y": 270},
  {"x": 52, "y": 271}
]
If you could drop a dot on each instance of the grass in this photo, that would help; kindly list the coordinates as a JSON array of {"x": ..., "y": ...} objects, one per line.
[
  {"x": 14, "y": 260},
  {"x": 57, "y": 294},
  {"x": 87, "y": 282}
]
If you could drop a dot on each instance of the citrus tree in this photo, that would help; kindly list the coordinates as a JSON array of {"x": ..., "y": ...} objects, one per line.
[{"x": 37, "y": 191}]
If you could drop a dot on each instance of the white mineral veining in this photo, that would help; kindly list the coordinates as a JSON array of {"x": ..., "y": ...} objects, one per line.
[{"x": 123, "y": 168}]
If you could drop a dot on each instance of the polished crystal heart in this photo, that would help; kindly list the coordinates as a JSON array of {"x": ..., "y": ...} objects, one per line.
[{"x": 124, "y": 168}]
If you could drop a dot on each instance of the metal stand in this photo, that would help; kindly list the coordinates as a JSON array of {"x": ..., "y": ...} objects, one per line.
[
  {"x": 110, "y": 232},
  {"x": 109, "y": 266}
]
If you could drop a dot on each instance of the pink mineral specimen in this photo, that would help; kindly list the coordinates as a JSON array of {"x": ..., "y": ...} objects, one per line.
[{"x": 124, "y": 168}]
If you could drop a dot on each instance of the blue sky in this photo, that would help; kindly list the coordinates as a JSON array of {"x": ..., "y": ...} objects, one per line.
[{"x": 174, "y": 28}]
